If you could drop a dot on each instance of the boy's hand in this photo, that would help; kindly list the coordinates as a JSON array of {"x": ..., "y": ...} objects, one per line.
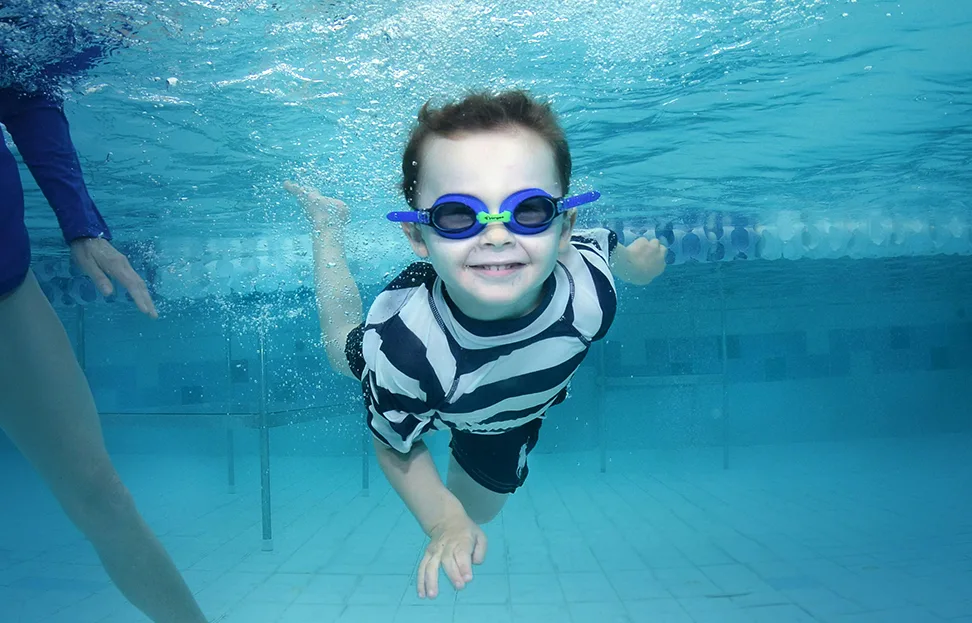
[
  {"x": 324, "y": 212},
  {"x": 457, "y": 544},
  {"x": 641, "y": 261}
]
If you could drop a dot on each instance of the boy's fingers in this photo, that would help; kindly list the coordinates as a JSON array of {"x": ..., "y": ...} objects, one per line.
[
  {"x": 479, "y": 549},
  {"x": 463, "y": 560},
  {"x": 420, "y": 578},
  {"x": 458, "y": 567},
  {"x": 432, "y": 577}
]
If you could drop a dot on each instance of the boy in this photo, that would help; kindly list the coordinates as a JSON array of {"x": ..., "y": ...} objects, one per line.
[{"x": 483, "y": 337}]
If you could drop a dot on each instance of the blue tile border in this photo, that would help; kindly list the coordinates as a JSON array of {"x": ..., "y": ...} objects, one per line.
[{"x": 781, "y": 356}]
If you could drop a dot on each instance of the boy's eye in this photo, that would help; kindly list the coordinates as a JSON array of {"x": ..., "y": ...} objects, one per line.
[
  {"x": 533, "y": 211},
  {"x": 454, "y": 216}
]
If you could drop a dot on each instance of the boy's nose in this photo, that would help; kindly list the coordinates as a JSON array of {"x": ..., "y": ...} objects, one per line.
[{"x": 496, "y": 234}]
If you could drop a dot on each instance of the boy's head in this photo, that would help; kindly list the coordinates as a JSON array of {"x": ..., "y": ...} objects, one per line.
[{"x": 489, "y": 147}]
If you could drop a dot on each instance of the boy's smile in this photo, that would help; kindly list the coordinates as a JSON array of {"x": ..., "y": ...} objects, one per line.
[{"x": 496, "y": 274}]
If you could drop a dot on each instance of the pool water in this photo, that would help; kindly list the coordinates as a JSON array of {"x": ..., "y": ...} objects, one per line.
[{"x": 776, "y": 429}]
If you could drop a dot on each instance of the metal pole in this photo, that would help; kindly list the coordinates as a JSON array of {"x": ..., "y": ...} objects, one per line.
[
  {"x": 599, "y": 382},
  {"x": 264, "y": 446},
  {"x": 725, "y": 413},
  {"x": 228, "y": 421},
  {"x": 81, "y": 354}
]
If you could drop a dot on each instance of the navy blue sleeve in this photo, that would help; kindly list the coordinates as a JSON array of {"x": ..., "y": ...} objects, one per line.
[
  {"x": 40, "y": 130},
  {"x": 353, "y": 351}
]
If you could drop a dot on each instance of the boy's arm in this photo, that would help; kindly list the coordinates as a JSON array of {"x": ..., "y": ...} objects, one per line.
[
  {"x": 639, "y": 262},
  {"x": 456, "y": 543},
  {"x": 416, "y": 480},
  {"x": 338, "y": 299}
]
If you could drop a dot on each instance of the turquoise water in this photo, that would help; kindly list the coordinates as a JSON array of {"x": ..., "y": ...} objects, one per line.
[
  {"x": 674, "y": 109},
  {"x": 759, "y": 441},
  {"x": 825, "y": 129}
]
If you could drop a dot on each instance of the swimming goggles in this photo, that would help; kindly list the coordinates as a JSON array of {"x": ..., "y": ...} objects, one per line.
[{"x": 525, "y": 212}]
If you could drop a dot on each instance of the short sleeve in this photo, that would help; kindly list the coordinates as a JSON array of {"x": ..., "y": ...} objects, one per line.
[
  {"x": 398, "y": 412},
  {"x": 397, "y": 380},
  {"x": 595, "y": 299},
  {"x": 352, "y": 351},
  {"x": 599, "y": 240},
  {"x": 395, "y": 417}
]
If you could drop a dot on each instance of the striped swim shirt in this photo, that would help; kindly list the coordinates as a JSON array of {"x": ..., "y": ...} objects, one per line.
[{"x": 425, "y": 365}]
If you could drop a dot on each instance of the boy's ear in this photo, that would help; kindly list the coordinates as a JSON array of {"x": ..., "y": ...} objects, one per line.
[
  {"x": 414, "y": 235},
  {"x": 570, "y": 217}
]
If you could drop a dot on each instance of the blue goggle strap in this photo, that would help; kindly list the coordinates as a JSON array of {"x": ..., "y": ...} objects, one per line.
[
  {"x": 578, "y": 200},
  {"x": 412, "y": 216}
]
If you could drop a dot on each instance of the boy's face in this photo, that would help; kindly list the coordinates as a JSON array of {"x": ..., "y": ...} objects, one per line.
[{"x": 490, "y": 165}]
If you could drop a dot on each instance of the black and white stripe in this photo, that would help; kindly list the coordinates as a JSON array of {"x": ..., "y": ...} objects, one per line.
[{"x": 421, "y": 368}]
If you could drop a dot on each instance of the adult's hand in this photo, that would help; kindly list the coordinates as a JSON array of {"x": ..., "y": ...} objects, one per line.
[{"x": 101, "y": 261}]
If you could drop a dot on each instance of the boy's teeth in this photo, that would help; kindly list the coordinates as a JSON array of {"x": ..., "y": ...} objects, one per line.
[{"x": 498, "y": 267}]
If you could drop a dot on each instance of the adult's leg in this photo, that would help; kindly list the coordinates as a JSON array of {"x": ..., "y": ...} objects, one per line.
[{"x": 47, "y": 409}]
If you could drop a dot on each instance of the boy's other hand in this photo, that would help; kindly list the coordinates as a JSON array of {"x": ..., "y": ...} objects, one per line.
[
  {"x": 457, "y": 543},
  {"x": 644, "y": 260},
  {"x": 324, "y": 212}
]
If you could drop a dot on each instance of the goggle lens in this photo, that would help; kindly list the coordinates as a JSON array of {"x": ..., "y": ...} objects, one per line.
[
  {"x": 534, "y": 211},
  {"x": 455, "y": 217}
]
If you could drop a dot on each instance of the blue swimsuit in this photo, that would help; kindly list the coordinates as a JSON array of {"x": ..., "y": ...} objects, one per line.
[{"x": 40, "y": 130}]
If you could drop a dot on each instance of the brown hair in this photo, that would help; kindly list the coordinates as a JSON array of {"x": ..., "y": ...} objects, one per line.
[{"x": 480, "y": 112}]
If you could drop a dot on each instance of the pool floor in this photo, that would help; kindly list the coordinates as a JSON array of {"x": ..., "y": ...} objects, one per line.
[{"x": 871, "y": 531}]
